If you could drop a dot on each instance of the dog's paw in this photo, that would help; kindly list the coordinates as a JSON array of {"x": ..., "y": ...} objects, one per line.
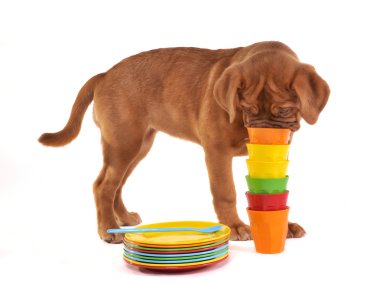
[
  {"x": 295, "y": 231},
  {"x": 112, "y": 238},
  {"x": 240, "y": 232},
  {"x": 129, "y": 219}
]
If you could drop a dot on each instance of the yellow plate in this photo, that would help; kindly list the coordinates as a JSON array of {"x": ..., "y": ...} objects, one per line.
[
  {"x": 171, "y": 246},
  {"x": 175, "y": 264},
  {"x": 178, "y": 238}
]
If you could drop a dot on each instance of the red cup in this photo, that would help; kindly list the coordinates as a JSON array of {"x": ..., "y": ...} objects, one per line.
[{"x": 267, "y": 202}]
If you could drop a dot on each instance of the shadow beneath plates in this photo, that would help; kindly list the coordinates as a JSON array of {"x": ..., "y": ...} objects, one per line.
[{"x": 190, "y": 271}]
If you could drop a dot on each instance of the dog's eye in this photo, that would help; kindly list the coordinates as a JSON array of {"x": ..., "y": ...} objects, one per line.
[
  {"x": 251, "y": 109},
  {"x": 284, "y": 111}
]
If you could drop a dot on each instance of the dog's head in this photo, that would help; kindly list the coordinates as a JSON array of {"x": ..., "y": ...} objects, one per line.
[{"x": 272, "y": 89}]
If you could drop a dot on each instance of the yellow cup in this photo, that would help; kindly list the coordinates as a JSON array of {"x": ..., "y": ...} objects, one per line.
[
  {"x": 259, "y": 169},
  {"x": 268, "y": 153}
]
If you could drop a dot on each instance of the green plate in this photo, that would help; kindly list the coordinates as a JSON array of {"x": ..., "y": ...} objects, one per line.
[
  {"x": 174, "y": 249},
  {"x": 192, "y": 257}
]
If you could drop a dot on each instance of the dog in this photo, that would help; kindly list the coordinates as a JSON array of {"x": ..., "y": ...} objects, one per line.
[{"x": 205, "y": 96}]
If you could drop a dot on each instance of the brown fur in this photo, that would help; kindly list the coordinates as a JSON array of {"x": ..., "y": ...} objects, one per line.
[{"x": 205, "y": 96}]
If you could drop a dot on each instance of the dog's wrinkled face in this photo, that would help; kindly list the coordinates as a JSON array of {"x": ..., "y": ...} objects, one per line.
[
  {"x": 272, "y": 109},
  {"x": 272, "y": 90}
]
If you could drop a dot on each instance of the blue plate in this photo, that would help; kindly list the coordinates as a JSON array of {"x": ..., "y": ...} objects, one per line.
[
  {"x": 193, "y": 260},
  {"x": 175, "y": 254}
]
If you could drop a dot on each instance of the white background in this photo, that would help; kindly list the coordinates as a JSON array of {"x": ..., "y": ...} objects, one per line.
[{"x": 48, "y": 49}]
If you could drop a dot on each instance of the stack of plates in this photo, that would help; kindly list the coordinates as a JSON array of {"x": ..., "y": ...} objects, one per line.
[{"x": 176, "y": 250}]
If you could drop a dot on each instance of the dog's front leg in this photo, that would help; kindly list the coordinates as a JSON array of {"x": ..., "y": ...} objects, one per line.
[{"x": 219, "y": 165}]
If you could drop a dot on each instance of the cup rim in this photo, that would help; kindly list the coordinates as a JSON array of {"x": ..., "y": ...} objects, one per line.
[
  {"x": 285, "y": 192},
  {"x": 270, "y": 128},
  {"x": 251, "y": 210},
  {"x": 267, "y": 162},
  {"x": 267, "y": 145},
  {"x": 283, "y": 178}
]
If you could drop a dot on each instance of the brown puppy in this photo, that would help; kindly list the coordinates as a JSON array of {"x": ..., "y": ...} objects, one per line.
[{"x": 205, "y": 96}]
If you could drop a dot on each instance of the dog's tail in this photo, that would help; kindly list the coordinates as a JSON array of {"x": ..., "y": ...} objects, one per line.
[{"x": 72, "y": 128}]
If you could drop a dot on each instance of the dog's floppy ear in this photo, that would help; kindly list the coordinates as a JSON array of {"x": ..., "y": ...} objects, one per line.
[
  {"x": 226, "y": 90},
  {"x": 312, "y": 91}
]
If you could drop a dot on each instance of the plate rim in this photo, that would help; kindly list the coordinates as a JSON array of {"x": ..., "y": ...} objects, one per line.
[
  {"x": 174, "y": 251},
  {"x": 154, "y": 265},
  {"x": 131, "y": 237},
  {"x": 175, "y": 246},
  {"x": 175, "y": 258}
]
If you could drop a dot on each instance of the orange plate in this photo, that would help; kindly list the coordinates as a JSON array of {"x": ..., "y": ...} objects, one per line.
[{"x": 175, "y": 246}]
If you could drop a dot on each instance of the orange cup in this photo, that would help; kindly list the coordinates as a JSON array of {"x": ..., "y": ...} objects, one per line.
[
  {"x": 269, "y": 230},
  {"x": 269, "y": 136}
]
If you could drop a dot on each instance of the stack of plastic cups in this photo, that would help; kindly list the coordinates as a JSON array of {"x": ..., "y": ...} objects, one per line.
[{"x": 267, "y": 210}]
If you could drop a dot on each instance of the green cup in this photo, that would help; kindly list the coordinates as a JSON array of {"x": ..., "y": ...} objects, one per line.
[{"x": 266, "y": 185}]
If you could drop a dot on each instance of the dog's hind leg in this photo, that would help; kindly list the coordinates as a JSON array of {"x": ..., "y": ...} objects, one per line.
[
  {"x": 123, "y": 216},
  {"x": 119, "y": 151}
]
